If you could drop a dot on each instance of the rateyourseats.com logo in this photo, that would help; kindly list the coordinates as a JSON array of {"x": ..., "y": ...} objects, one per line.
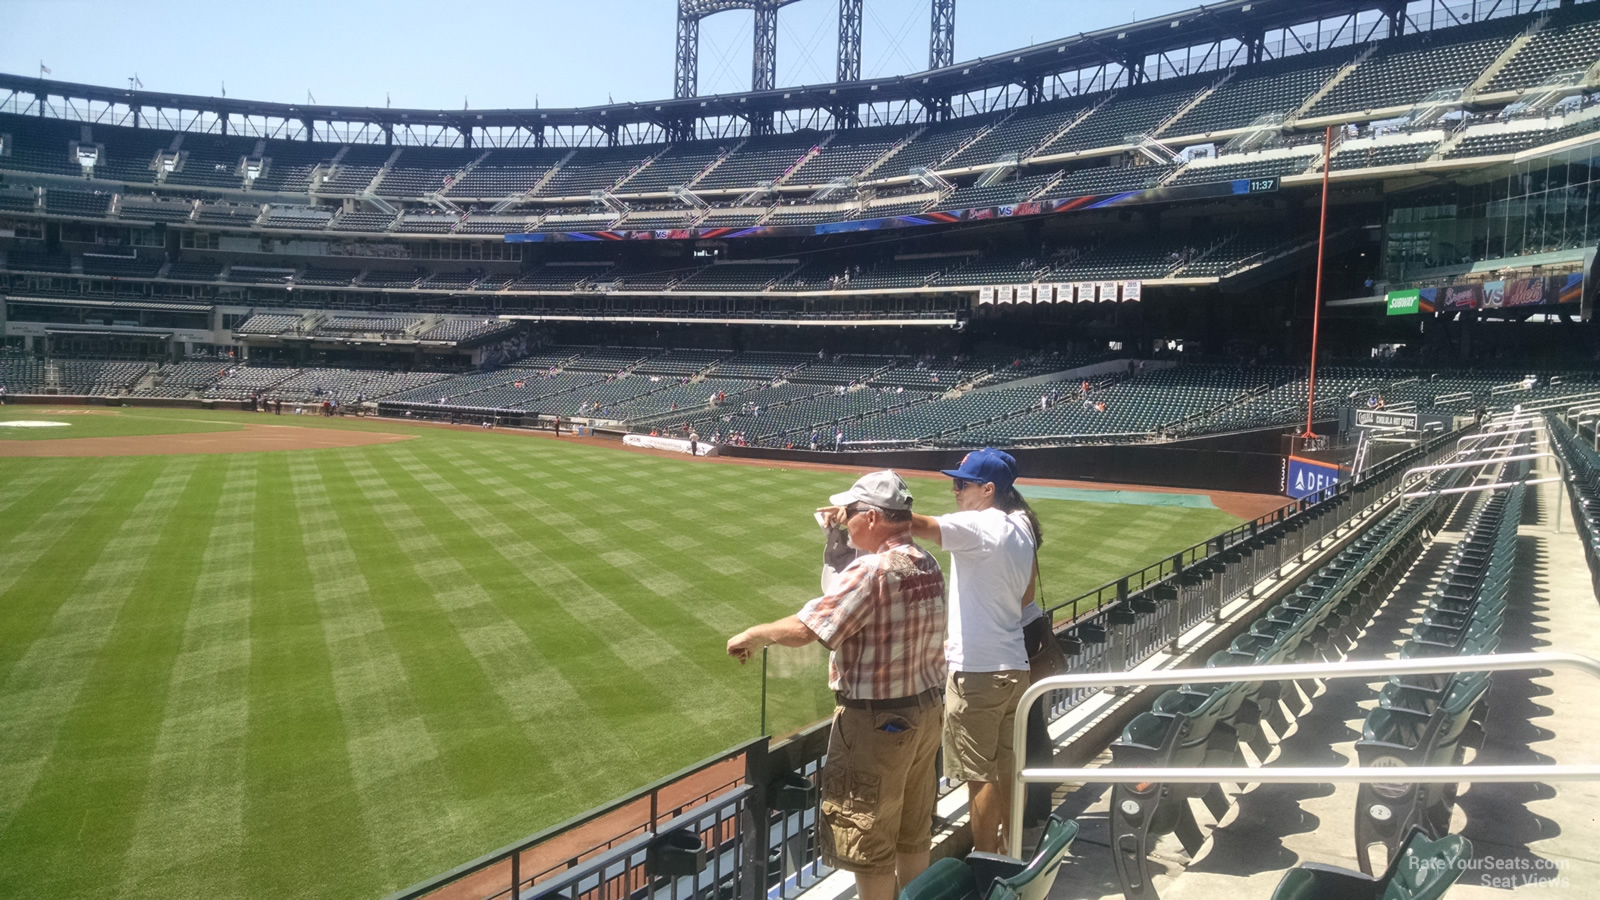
[{"x": 1503, "y": 872}]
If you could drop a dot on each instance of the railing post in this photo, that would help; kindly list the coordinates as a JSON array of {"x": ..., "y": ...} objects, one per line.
[{"x": 755, "y": 826}]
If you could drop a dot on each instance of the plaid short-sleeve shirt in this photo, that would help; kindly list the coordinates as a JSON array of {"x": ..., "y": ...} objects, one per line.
[{"x": 885, "y": 623}]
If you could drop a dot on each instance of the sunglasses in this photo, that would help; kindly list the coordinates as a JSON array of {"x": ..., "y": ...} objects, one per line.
[
  {"x": 850, "y": 511},
  {"x": 961, "y": 484}
]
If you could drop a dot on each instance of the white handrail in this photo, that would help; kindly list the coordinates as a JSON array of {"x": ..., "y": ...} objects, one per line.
[
  {"x": 1369, "y": 669},
  {"x": 1561, "y": 470}
]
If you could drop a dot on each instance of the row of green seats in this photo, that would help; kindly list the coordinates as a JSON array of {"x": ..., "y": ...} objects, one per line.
[
  {"x": 1428, "y": 720},
  {"x": 1203, "y": 724}
]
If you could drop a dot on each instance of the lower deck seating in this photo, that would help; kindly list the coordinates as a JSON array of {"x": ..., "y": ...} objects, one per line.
[{"x": 1206, "y": 724}]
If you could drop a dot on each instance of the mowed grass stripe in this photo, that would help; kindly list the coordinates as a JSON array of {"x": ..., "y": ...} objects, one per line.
[
  {"x": 393, "y": 757},
  {"x": 49, "y": 522},
  {"x": 304, "y": 832},
  {"x": 604, "y": 563},
  {"x": 668, "y": 686},
  {"x": 680, "y": 568},
  {"x": 594, "y": 528},
  {"x": 190, "y": 827},
  {"x": 603, "y": 694},
  {"x": 19, "y": 479},
  {"x": 469, "y": 705},
  {"x": 41, "y": 689},
  {"x": 458, "y": 705},
  {"x": 90, "y": 789},
  {"x": 43, "y": 565}
]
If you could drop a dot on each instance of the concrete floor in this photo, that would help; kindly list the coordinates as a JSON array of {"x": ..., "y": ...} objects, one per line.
[{"x": 1539, "y": 839}]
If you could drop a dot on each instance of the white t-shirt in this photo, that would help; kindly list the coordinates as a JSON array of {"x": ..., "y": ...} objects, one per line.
[{"x": 991, "y": 557}]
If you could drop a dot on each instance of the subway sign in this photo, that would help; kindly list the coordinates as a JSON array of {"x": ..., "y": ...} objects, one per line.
[{"x": 1405, "y": 303}]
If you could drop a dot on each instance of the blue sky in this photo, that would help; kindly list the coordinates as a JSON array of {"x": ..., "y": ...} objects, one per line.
[{"x": 490, "y": 53}]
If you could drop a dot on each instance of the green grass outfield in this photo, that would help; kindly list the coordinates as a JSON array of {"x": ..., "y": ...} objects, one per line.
[{"x": 334, "y": 673}]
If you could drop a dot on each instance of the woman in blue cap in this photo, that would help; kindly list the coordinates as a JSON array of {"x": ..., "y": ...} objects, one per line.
[{"x": 992, "y": 540}]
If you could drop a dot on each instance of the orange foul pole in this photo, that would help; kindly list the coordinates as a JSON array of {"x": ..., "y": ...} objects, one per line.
[{"x": 1316, "y": 303}]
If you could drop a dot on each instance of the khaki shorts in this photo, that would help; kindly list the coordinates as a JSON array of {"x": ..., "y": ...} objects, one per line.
[
  {"x": 980, "y": 714},
  {"x": 878, "y": 785}
]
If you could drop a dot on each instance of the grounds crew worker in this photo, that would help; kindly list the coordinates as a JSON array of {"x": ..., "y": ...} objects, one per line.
[
  {"x": 992, "y": 562},
  {"x": 884, "y": 621}
]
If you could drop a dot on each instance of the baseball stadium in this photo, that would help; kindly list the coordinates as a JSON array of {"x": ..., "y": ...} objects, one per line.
[{"x": 380, "y": 488}]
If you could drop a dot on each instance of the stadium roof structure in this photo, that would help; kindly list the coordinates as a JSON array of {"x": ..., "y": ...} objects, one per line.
[{"x": 1235, "y": 28}]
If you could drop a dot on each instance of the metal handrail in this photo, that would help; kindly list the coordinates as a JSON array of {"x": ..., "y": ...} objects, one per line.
[
  {"x": 1369, "y": 669},
  {"x": 1475, "y": 488},
  {"x": 1503, "y": 447},
  {"x": 1488, "y": 434},
  {"x": 1561, "y": 469}
]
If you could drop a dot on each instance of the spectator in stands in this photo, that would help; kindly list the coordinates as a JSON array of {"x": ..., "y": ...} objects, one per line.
[
  {"x": 992, "y": 560},
  {"x": 3, "y": 396},
  {"x": 879, "y": 781}
]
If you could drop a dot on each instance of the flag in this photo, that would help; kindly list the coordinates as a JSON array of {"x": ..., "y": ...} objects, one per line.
[
  {"x": 43, "y": 69},
  {"x": 136, "y": 82},
  {"x": 224, "y": 89},
  {"x": 386, "y": 100}
]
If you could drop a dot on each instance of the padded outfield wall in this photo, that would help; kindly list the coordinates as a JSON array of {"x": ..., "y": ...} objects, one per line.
[{"x": 1247, "y": 462}]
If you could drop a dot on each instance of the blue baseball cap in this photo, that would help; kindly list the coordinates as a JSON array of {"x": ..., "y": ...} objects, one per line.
[{"x": 986, "y": 465}]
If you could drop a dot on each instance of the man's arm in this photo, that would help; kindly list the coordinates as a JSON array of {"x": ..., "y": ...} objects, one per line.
[
  {"x": 926, "y": 528},
  {"x": 789, "y": 632}
]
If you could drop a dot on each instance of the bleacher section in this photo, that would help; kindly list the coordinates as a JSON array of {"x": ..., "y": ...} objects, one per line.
[
  {"x": 268, "y": 323},
  {"x": 459, "y": 330},
  {"x": 1129, "y": 113},
  {"x": 1020, "y": 134},
  {"x": 1404, "y": 70},
  {"x": 847, "y": 155},
  {"x": 675, "y": 168},
  {"x": 1246, "y": 166},
  {"x": 1269, "y": 88},
  {"x": 1385, "y": 152},
  {"x": 757, "y": 161},
  {"x": 208, "y": 160},
  {"x": 1569, "y": 42},
  {"x": 593, "y": 169}
]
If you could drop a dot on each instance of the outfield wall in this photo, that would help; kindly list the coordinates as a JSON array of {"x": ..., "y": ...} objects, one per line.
[
  {"x": 1248, "y": 462},
  {"x": 159, "y": 402}
]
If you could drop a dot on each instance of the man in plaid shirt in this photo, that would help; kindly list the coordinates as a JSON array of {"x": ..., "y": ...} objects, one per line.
[{"x": 884, "y": 621}]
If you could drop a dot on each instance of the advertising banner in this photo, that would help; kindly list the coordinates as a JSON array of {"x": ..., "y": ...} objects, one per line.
[
  {"x": 1523, "y": 292},
  {"x": 1377, "y": 418},
  {"x": 1405, "y": 303},
  {"x": 1308, "y": 477},
  {"x": 703, "y": 448},
  {"x": 1511, "y": 293},
  {"x": 1462, "y": 296}
]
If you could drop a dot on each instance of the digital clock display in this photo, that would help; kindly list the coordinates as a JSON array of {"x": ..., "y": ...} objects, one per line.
[{"x": 1255, "y": 185}]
